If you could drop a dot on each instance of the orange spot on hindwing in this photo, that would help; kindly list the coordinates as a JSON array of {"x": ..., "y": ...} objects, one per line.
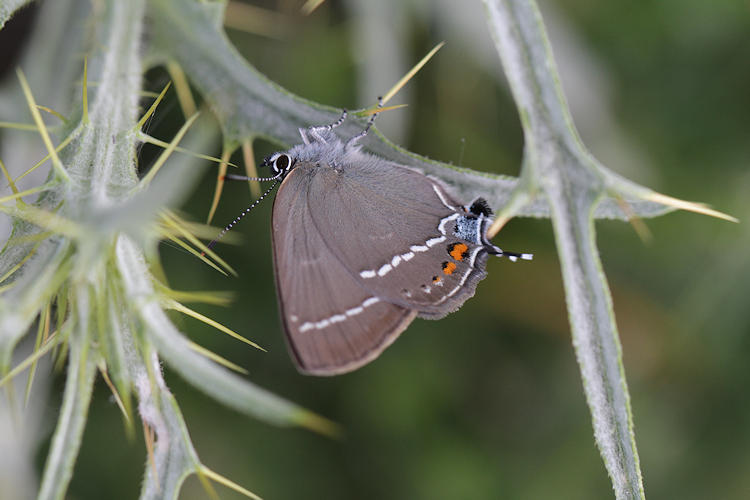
[
  {"x": 449, "y": 267},
  {"x": 458, "y": 251}
]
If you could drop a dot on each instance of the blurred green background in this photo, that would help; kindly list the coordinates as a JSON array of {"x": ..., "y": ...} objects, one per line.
[{"x": 488, "y": 403}]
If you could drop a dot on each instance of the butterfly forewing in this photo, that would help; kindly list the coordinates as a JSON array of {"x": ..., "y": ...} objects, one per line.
[{"x": 333, "y": 324}]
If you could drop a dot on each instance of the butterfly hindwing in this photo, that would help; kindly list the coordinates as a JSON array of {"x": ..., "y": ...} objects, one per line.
[{"x": 399, "y": 244}]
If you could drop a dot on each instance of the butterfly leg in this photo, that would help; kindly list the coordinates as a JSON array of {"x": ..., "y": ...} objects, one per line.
[
  {"x": 316, "y": 132},
  {"x": 303, "y": 133}
]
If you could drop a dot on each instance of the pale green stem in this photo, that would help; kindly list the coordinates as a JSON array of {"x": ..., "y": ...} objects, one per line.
[
  {"x": 572, "y": 181},
  {"x": 79, "y": 384}
]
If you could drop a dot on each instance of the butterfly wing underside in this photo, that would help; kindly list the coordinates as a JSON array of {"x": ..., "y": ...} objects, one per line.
[
  {"x": 332, "y": 323},
  {"x": 393, "y": 229}
]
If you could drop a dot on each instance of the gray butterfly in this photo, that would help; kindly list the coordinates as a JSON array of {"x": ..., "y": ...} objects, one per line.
[{"x": 362, "y": 246}]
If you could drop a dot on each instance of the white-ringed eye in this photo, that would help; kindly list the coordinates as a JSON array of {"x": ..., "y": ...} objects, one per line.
[{"x": 281, "y": 163}]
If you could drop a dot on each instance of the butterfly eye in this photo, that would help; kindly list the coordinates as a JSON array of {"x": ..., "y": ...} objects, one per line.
[{"x": 281, "y": 163}]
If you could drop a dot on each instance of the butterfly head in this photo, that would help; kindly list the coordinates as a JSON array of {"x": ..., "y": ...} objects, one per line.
[{"x": 279, "y": 163}]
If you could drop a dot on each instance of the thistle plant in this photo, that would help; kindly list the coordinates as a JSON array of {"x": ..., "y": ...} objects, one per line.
[{"x": 80, "y": 274}]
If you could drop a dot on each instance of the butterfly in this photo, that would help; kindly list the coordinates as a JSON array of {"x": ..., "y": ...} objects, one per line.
[{"x": 362, "y": 246}]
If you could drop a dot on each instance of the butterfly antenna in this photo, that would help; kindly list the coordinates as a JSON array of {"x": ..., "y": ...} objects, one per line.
[
  {"x": 239, "y": 217},
  {"x": 316, "y": 131},
  {"x": 331, "y": 126},
  {"x": 359, "y": 136},
  {"x": 234, "y": 177}
]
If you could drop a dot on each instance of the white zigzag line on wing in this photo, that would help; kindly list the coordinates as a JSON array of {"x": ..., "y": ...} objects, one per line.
[
  {"x": 405, "y": 257},
  {"x": 442, "y": 197},
  {"x": 337, "y": 318}
]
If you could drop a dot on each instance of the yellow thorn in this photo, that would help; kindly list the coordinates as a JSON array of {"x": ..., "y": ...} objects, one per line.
[
  {"x": 19, "y": 126},
  {"x": 152, "y": 108},
  {"x": 148, "y": 437},
  {"x": 195, "y": 241},
  {"x": 20, "y": 263},
  {"x": 216, "y": 358},
  {"x": 59, "y": 148},
  {"x": 56, "y": 163},
  {"x": 316, "y": 423},
  {"x": 310, "y": 6},
  {"x": 228, "y": 483},
  {"x": 411, "y": 73},
  {"x": 195, "y": 253},
  {"x": 375, "y": 109},
  {"x": 156, "y": 142},
  {"x": 518, "y": 198},
  {"x": 62, "y": 355},
  {"x": 182, "y": 87},
  {"x": 690, "y": 206},
  {"x": 640, "y": 227},
  {"x": 8, "y": 178},
  {"x": 173, "y": 304},
  {"x": 118, "y": 400},
  {"x": 30, "y": 238},
  {"x": 497, "y": 225},
  {"x": 45, "y": 219},
  {"x": 255, "y": 20},
  {"x": 198, "y": 229},
  {"x": 213, "y": 297},
  {"x": 249, "y": 158},
  {"x": 44, "y": 349},
  {"x": 18, "y": 195},
  {"x": 52, "y": 112},
  {"x": 42, "y": 332},
  {"x": 168, "y": 151},
  {"x": 219, "y": 184}
]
